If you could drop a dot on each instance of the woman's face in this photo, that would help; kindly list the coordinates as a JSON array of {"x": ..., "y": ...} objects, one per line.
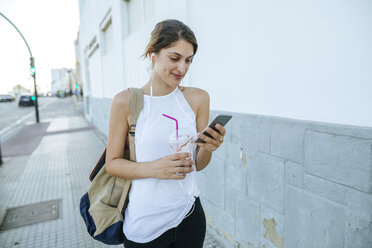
[{"x": 172, "y": 63}]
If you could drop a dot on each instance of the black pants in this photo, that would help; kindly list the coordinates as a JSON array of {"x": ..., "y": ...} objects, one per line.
[{"x": 190, "y": 233}]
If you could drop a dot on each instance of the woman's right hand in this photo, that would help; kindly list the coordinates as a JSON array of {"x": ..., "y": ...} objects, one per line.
[{"x": 167, "y": 167}]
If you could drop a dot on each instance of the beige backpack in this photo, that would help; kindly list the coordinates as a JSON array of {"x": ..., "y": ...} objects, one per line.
[{"x": 103, "y": 206}]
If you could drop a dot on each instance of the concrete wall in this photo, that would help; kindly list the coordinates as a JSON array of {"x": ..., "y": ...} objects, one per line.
[
  {"x": 100, "y": 114},
  {"x": 279, "y": 182}
]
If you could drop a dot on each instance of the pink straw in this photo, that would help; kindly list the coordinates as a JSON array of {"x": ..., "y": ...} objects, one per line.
[{"x": 175, "y": 121}]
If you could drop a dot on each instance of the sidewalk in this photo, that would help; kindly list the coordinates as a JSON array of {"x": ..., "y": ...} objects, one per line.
[{"x": 57, "y": 169}]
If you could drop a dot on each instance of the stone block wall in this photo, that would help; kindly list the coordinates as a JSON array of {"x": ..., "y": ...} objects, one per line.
[
  {"x": 100, "y": 115},
  {"x": 279, "y": 182}
]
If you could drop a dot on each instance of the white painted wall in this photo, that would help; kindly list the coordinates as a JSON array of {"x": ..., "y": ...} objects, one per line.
[
  {"x": 136, "y": 71},
  {"x": 95, "y": 75},
  {"x": 309, "y": 60},
  {"x": 105, "y": 69}
]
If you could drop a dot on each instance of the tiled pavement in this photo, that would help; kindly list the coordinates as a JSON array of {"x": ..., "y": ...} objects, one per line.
[{"x": 57, "y": 169}]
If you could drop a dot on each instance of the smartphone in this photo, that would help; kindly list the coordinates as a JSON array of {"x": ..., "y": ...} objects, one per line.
[{"x": 220, "y": 119}]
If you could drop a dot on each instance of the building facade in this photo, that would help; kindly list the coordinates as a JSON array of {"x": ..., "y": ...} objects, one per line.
[
  {"x": 62, "y": 81},
  {"x": 296, "y": 166}
]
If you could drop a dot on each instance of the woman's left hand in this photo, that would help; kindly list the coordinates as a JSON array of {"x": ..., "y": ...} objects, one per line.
[{"x": 212, "y": 143}]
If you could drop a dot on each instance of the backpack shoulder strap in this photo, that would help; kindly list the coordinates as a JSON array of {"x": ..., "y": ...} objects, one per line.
[{"x": 136, "y": 105}]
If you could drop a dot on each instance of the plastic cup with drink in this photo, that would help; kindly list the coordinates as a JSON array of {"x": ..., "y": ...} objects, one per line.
[{"x": 180, "y": 141}]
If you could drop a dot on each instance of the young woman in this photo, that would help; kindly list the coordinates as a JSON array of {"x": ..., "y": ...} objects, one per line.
[{"x": 164, "y": 209}]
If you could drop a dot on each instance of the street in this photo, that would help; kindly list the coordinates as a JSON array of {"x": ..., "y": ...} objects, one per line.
[
  {"x": 11, "y": 113},
  {"x": 13, "y": 118}
]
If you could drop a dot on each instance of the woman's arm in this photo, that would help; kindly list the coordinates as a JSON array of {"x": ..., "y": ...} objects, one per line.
[
  {"x": 117, "y": 166},
  {"x": 118, "y": 129},
  {"x": 203, "y": 156},
  {"x": 204, "y": 150}
]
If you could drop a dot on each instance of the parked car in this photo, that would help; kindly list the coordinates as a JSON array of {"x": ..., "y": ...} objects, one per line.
[
  {"x": 61, "y": 94},
  {"x": 7, "y": 98},
  {"x": 26, "y": 101}
]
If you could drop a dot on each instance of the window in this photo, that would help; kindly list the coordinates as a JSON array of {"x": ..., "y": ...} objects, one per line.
[{"x": 107, "y": 37}]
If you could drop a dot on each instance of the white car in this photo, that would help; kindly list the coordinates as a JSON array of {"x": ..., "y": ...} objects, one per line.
[{"x": 7, "y": 98}]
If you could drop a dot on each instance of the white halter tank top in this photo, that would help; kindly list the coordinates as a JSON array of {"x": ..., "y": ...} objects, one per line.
[{"x": 155, "y": 205}]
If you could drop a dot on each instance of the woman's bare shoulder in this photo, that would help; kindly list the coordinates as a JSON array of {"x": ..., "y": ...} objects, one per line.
[
  {"x": 196, "y": 93},
  {"x": 197, "y": 98},
  {"x": 122, "y": 98},
  {"x": 121, "y": 103}
]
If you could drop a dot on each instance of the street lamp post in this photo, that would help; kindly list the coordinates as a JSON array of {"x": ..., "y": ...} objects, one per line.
[
  {"x": 32, "y": 64},
  {"x": 35, "y": 90}
]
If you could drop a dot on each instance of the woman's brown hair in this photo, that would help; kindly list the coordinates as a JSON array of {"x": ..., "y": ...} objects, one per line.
[{"x": 167, "y": 32}]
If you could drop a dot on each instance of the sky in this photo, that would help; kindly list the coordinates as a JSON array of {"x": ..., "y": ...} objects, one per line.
[{"x": 50, "y": 28}]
